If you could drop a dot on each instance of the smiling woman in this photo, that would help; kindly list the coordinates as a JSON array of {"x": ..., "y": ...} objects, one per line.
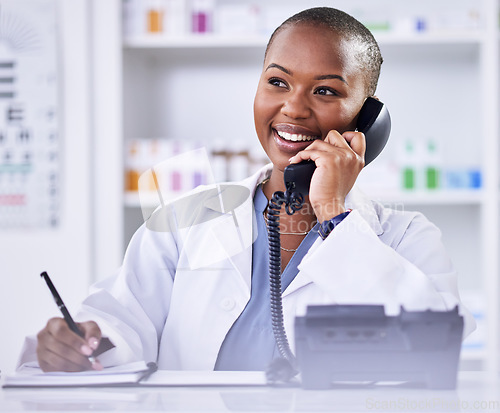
[
  {"x": 195, "y": 294},
  {"x": 309, "y": 94}
]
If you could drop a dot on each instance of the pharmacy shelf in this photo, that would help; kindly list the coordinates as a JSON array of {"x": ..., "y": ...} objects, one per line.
[
  {"x": 219, "y": 40},
  {"x": 132, "y": 199},
  {"x": 430, "y": 38},
  {"x": 471, "y": 354},
  {"x": 194, "y": 41},
  {"x": 428, "y": 197}
]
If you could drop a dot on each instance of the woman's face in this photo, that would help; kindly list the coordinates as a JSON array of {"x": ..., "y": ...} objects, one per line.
[{"x": 310, "y": 84}]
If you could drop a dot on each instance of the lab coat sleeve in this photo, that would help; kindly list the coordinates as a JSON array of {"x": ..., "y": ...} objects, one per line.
[
  {"x": 406, "y": 266},
  {"x": 131, "y": 307}
]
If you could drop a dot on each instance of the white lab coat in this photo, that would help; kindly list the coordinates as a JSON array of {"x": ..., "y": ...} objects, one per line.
[{"x": 186, "y": 275}]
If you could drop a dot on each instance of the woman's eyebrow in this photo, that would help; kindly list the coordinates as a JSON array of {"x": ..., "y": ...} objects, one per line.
[
  {"x": 277, "y": 66},
  {"x": 321, "y": 77}
]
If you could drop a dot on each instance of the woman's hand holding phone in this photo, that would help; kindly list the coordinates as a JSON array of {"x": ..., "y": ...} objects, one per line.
[{"x": 339, "y": 159}]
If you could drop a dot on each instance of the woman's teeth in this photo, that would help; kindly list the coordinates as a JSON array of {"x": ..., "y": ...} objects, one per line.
[{"x": 295, "y": 138}]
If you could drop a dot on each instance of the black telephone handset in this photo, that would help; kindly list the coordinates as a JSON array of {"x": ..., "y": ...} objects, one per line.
[{"x": 373, "y": 120}]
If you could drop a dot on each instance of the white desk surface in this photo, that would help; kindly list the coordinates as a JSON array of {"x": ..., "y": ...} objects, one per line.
[{"x": 476, "y": 392}]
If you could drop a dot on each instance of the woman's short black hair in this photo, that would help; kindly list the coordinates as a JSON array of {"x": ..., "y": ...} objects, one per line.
[{"x": 367, "y": 50}]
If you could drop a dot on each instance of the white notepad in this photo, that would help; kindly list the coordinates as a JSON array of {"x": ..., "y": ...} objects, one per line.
[
  {"x": 135, "y": 374},
  {"x": 126, "y": 374}
]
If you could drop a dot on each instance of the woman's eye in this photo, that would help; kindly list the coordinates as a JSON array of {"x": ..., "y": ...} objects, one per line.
[
  {"x": 326, "y": 91},
  {"x": 277, "y": 82}
]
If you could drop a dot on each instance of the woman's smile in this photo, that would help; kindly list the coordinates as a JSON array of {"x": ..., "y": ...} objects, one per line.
[{"x": 292, "y": 139}]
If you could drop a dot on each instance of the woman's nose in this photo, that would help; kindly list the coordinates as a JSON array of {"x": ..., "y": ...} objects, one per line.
[{"x": 296, "y": 106}]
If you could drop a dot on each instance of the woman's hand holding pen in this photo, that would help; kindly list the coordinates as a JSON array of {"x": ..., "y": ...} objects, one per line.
[
  {"x": 60, "y": 349},
  {"x": 339, "y": 160}
]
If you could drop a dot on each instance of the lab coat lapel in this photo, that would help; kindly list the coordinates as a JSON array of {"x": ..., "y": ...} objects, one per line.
[
  {"x": 235, "y": 229},
  {"x": 297, "y": 283},
  {"x": 234, "y": 233}
]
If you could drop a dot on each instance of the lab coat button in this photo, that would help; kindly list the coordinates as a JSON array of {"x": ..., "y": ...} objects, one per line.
[{"x": 227, "y": 304}]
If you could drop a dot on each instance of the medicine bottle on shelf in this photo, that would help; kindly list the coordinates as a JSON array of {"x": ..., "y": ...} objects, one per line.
[
  {"x": 219, "y": 161},
  {"x": 432, "y": 167},
  {"x": 239, "y": 161},
  {"x": 154, "y": 17},
  {"x": 409, "y": 166},
  {"x": 132, "y": 167},
  {"x": 201, "y": 16}
]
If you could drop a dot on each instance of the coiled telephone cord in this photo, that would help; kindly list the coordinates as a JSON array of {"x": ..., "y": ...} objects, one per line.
[{"x": 284, "y": 368}]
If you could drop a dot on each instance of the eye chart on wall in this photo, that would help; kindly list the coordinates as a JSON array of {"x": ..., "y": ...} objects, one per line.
[{"x": 30, "y": 142}]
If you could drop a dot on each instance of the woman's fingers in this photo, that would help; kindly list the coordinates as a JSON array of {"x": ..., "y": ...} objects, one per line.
[
  {"x": 60, "y": 349},
  {"x": 356, "y": 141}
]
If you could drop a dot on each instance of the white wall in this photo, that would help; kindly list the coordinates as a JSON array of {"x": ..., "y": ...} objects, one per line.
[{"x": 64, "y": 252}]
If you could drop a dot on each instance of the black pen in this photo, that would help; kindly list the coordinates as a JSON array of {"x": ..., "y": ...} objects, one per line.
[{"x": 67, "y": 317}]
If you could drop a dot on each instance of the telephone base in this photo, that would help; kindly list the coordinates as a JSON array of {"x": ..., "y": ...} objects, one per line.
[{"x": 359, "y": 343}]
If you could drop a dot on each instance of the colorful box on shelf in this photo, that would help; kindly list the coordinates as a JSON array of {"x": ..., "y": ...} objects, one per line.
[
  {"x": 173, "y": 167},
  {"x": 163, "y": 169}
]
